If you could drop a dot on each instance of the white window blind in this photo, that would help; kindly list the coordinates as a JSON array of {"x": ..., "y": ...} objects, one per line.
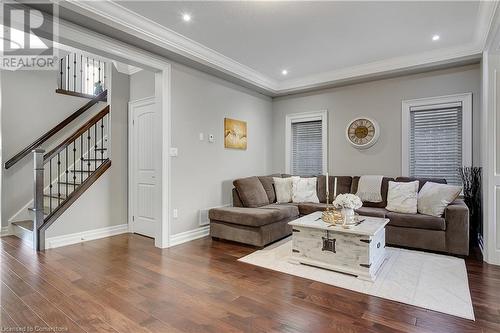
[
  {"x": 436, "y": 142},
  {"x": 307, "y": 148}
]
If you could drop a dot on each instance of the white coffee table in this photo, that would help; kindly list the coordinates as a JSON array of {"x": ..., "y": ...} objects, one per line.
[{"x": 359, "y": 250}]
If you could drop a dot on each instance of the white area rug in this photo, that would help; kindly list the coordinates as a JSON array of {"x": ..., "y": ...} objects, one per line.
[{"x": 431, "y": 281}]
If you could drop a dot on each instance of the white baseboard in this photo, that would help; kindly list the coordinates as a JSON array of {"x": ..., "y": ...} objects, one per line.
[
  {"x": 84, "y": 236},
  {"x": 5, "y": 231},
  {"x": 190, "y": 235}
]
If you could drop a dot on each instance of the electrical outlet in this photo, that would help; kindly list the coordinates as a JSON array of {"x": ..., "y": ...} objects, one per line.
[
  {"x": 174, "y": 152},
  {"x": 211, "y": 138},
  {"x": 175, "y": 213}
]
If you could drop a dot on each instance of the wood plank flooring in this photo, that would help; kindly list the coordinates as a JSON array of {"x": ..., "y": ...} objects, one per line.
[{"x": 125, "y": 284}]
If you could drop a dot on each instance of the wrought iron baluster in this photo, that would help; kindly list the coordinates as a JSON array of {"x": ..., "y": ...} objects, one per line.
[
  {"x": 67, "y": 72},
  {"x": 95, "y": 146},
  {"x": 61, "y": 73},
  {"x": 99, "y": 73},
  {"x": 88, "y": 150},
  {"x": 58, "y": 179},
  {"x": 81, "y": 158},
  {"x": 67, "y": 171},
  {"x": 74, "y": 164},
  {"x": 50, "y": 185},
  {"x": 87, "y": 77},
  {"x": 74, "y": 72},
  {"x": 81, "y": 74},
  {"x": 102, "y": 139},
  {"x": 104, "y": 76},
  {"x": 93, "y": 76}
]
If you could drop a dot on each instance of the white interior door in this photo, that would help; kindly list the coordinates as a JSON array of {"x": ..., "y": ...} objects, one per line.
[{"x": 143, "y": 164}]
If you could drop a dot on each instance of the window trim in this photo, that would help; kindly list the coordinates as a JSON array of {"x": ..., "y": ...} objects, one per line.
[
  {"x": 465, "y": 99},
  {"x": 303, "y": 117}
]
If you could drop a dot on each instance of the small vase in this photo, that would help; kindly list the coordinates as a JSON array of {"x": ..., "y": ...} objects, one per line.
[{"x": 347, "y": 215}]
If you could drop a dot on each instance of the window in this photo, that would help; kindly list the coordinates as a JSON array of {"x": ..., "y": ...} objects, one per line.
[
  {"x": 306, "y": 143},
  {"x": 437, "y": 137}
]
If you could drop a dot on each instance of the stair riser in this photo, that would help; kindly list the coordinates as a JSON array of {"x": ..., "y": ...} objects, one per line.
[{"x": 25, "y": 235}]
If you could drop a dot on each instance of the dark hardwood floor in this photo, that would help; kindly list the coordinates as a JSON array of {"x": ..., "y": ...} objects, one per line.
[{"x": 125, "y": 284}]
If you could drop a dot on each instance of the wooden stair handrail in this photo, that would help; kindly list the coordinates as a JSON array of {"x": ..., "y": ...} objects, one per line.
[
  {"x": 60, "y": 147},
  {"x": 26, "y": 151}
]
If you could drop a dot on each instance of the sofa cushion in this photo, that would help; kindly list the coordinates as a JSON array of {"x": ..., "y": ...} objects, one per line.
[
  {"x": 309, "y": 208},
  {"x": 372, "y": 211},
  {"x": 417, "y": 221},
  {"x": 251, "y": 192},
  {"x": 385, "y": 186},
  {"x": 343, "y": 186},
  {"x": 421, "y": 181},
  {"x": 253, "y": 217},
  {"x": 268, "y": 184}
]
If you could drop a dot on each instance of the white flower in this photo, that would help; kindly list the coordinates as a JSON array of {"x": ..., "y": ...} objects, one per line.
[{"x": 347, "y": 200}]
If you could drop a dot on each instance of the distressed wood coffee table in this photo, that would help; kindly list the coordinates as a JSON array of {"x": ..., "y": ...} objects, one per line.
[{"x": 359, "y": 250}]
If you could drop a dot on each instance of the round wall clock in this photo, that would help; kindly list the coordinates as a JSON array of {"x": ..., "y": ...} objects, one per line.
[{"x": 362, "y": 132}]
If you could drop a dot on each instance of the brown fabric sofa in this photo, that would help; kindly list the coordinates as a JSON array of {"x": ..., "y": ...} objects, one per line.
[{"x": 257, "y": 219}]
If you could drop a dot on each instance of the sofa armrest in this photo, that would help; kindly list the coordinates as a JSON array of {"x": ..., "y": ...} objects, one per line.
[{"x": 457, "y": 227}]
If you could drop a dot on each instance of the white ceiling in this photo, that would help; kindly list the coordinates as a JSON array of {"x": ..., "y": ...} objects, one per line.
[
  {"x": 316, "y": 42},
  {"x": 312, "y": 37}
]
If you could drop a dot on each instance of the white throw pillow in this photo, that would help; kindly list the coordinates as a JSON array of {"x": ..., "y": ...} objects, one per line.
[
  {"x": 304, "y": 190},
  {"x": 402, "y": 197},
  {"x": 283, "y": 188},
  {"x": 433, "y": 198}
]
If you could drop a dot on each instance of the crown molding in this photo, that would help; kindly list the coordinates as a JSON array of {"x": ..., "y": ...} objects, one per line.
[{"x": 121, "y": 18}]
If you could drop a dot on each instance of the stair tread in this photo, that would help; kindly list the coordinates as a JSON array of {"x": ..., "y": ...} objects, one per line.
[
  {"x": 25, "y": 224},
  {"x": 70, "y": 183},
  {"x": 54, "y": 196},
  {"x": 46, "y": 209},
  {"x": 101, "y": 149},
  {"x": 89, "y": 171}
]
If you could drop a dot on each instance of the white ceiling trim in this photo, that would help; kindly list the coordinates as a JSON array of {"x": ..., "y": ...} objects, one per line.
[
  {"x": 414, "y": 61},
  {"x": 144, "y": 28}
]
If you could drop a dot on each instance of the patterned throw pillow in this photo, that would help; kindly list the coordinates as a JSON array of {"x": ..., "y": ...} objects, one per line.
[
  {"x": 433, "y": 198},
  {"x": 283, "y": 188},
  {"x": 304, "y": 190},
  {"x": 402, "y": 197}
]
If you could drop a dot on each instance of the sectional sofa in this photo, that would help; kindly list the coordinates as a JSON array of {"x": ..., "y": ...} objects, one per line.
[{"x": 256, "y": 219}]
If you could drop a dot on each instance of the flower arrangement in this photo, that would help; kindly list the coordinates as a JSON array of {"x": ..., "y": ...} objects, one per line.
[{"x": 347, "y": 200}]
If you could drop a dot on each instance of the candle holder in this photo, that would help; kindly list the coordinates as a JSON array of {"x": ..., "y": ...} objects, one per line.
[{"x": 331, "y": 215}]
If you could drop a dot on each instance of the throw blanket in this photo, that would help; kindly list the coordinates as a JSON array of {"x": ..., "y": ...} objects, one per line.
[{"x": 370, "y": 188}]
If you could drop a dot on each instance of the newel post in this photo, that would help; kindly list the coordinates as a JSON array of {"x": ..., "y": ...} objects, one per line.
[{"x": 38, "y": 236}]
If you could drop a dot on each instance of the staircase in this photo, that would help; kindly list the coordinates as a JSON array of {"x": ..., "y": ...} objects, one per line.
[{"x": 63, "y": 174}]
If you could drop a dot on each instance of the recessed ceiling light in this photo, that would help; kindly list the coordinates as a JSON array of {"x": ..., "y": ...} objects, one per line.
[
  {"x": 186, "y": 17},
  {"x": 435, "y": 37},
  {"x": 284, "y": 72}
]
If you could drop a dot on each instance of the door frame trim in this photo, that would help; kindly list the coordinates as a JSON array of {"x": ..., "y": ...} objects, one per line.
[
  {"x": 76, "y": 36},
  {"x": 131, "y": 155}
]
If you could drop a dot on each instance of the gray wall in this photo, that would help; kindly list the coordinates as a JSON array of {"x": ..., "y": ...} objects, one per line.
[
  {"x": 202, "y": 174},
  {"x": 380, "y": 100},
  {"x": 142, "y": 85}
]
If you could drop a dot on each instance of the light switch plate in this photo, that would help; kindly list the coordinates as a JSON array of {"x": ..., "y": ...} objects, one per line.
[
  {"x": 174, "y": 152},
  {"x": 202, "y": 136},
  {"x": 175, "y": 213}
]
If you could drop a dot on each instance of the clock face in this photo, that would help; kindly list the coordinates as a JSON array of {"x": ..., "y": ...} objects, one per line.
[{"x": 362, "y": 132}]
